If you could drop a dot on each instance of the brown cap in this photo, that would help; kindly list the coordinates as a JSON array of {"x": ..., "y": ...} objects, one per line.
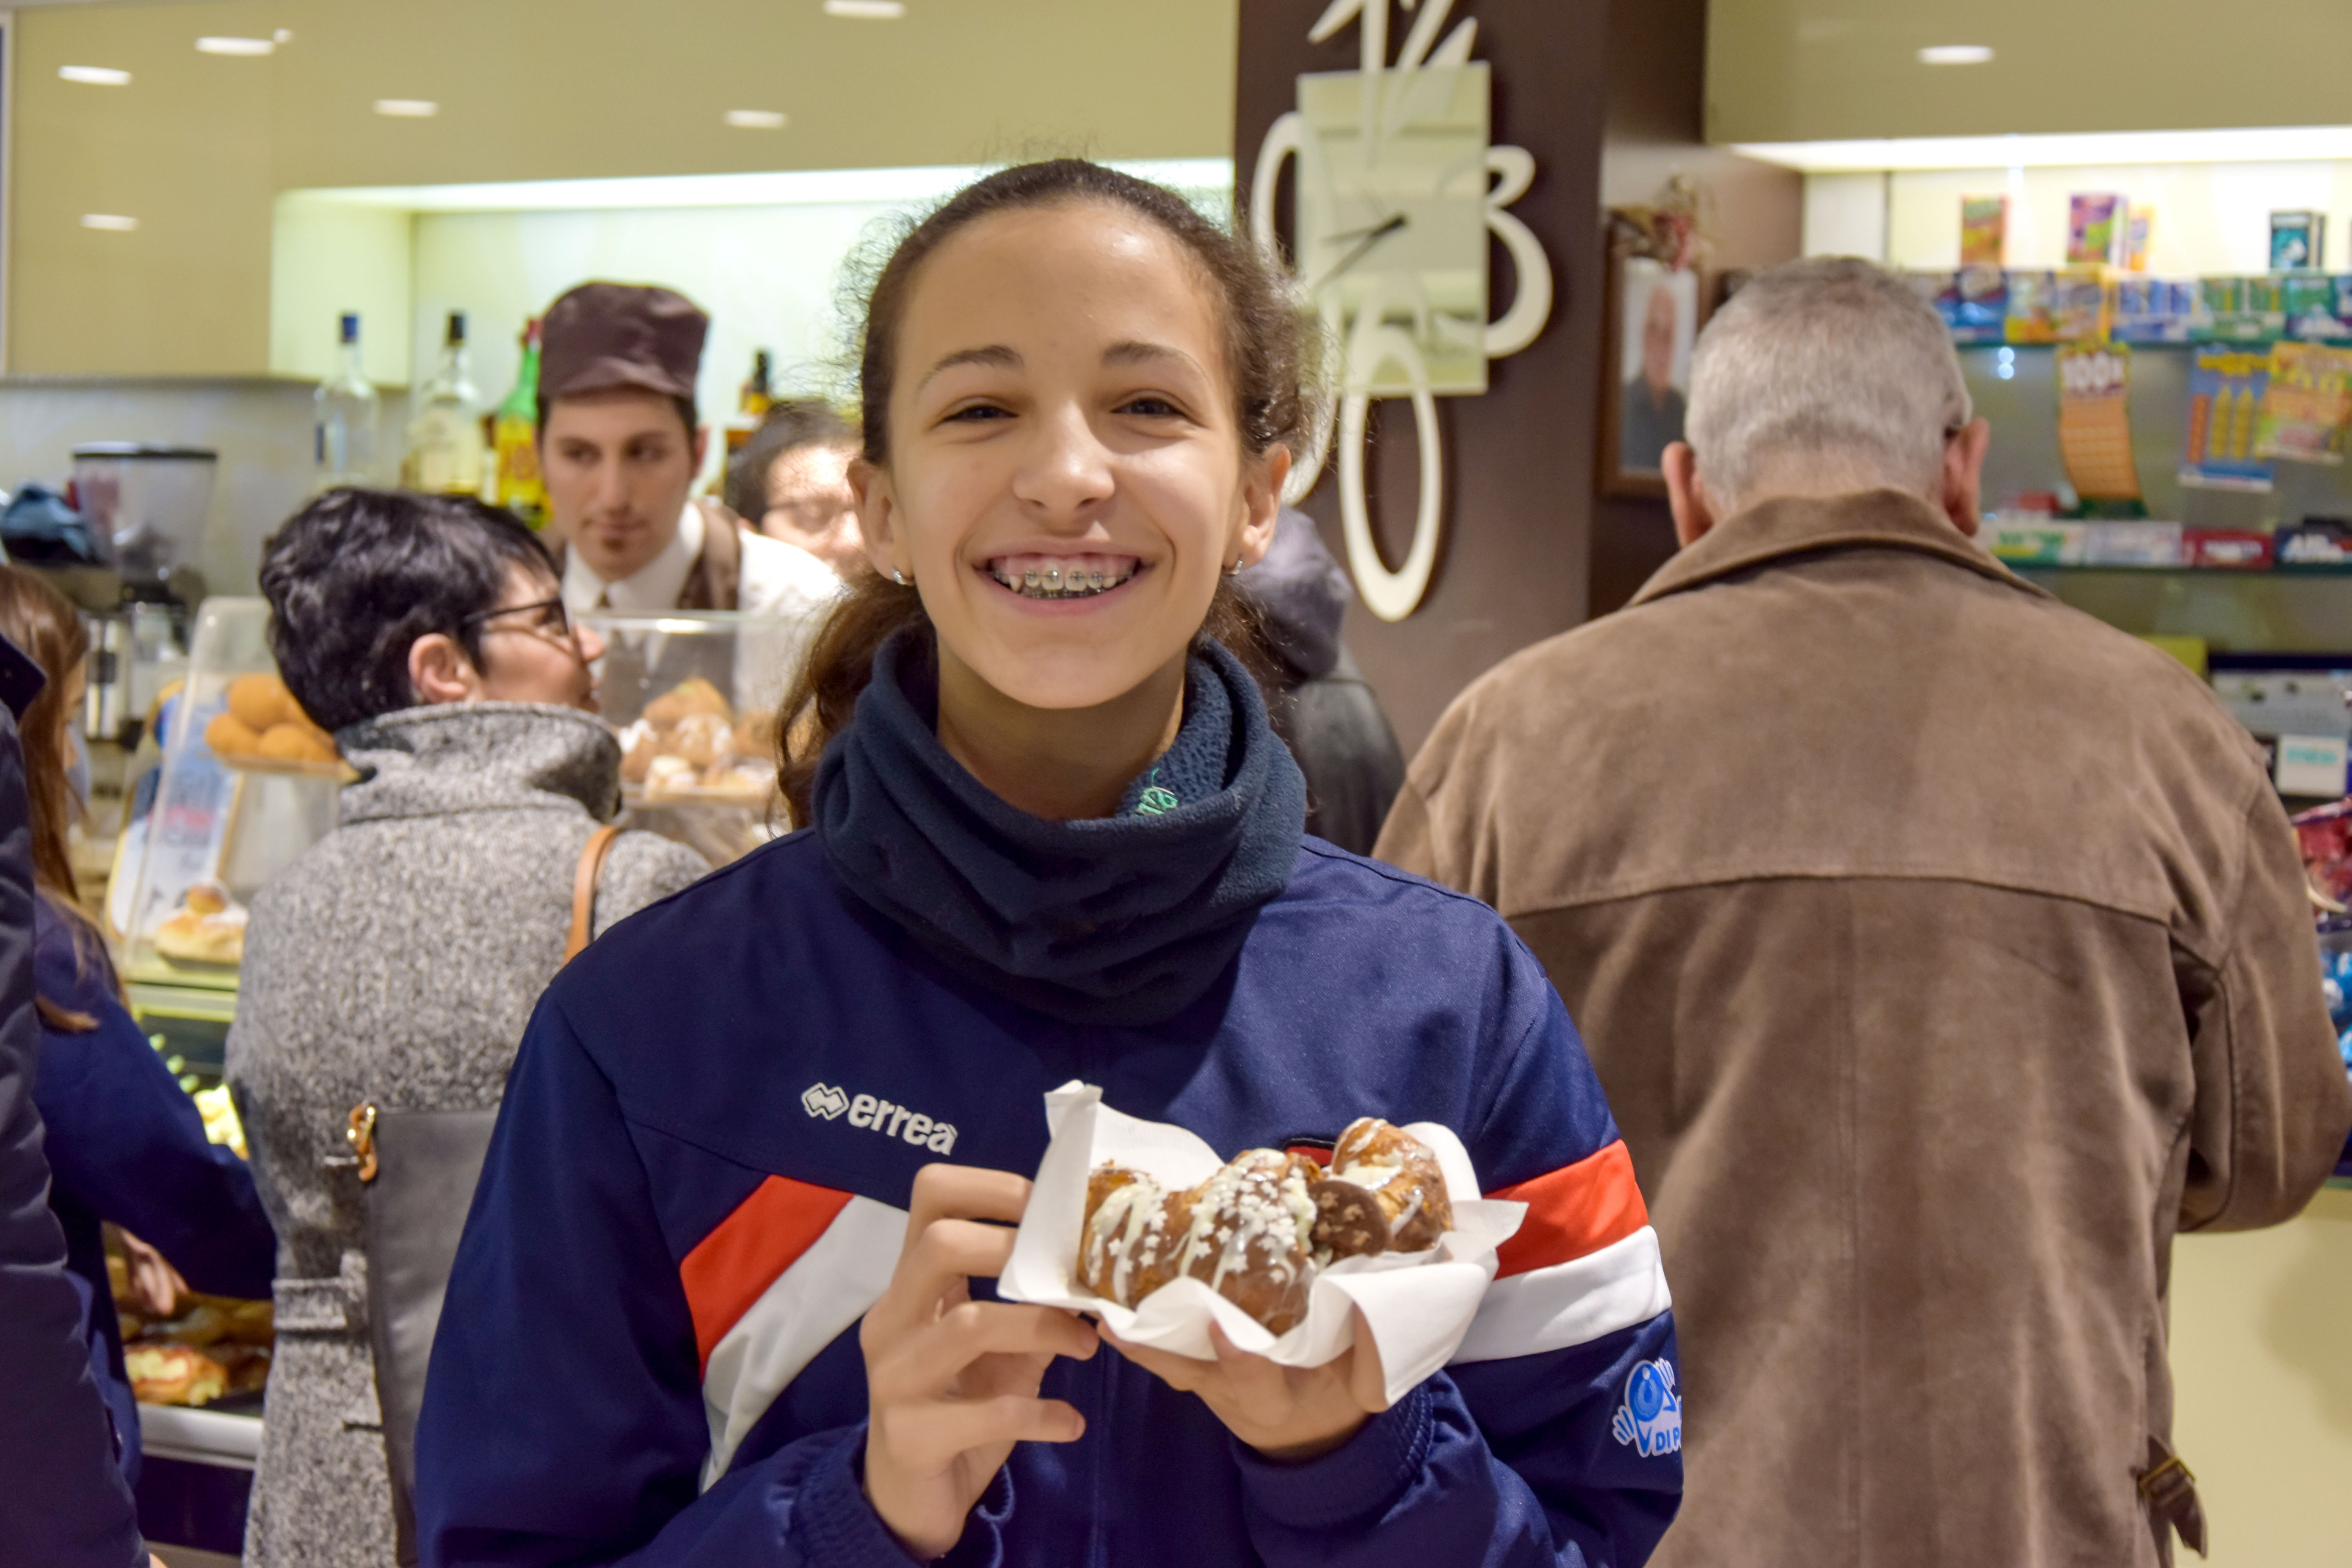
[{"x": 606, "y": 335}]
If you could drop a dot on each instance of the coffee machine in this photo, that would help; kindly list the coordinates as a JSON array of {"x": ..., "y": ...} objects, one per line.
[{"x": 145, "y": 508}]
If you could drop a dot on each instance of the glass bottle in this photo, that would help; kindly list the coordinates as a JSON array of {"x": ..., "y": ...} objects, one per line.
[
  {"x": 751, "y": 405},
  {"x": 343, "y": 419},
  {"x": 444, "y": 436},
  {"x": 514, "y": 440}
]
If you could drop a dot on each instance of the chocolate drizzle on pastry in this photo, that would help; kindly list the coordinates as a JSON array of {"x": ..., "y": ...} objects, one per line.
[{"x": 1260, "y": 1230}]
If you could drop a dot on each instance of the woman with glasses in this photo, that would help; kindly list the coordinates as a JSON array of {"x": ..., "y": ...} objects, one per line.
[{"x": 396, "y": 963}]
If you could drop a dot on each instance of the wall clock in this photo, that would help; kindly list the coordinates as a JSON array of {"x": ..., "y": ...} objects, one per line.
[{"x": 1397, "y": 190}]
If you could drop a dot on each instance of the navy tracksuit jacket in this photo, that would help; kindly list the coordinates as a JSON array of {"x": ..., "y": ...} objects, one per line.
[{"x": 648, "y": 1352}]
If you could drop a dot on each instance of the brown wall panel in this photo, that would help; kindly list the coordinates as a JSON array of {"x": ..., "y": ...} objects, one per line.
[{"x": 1512, "y": 569}]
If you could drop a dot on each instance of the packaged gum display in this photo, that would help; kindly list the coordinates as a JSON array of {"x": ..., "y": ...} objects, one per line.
[
  {"x": 1984, "y": 230},
  {"x": 2095, "y": 226},
  {"x": 2315, "y": 544},
  {"x": 2131, "y": 545},
  {"x": 2034, "y": 541},
  {"x": 2154, "y": 311},
  {"x": 1380, "y": 1244},
  {"x": 2228, "y": 549},
  {"x": 2033, "y": 303},
  {"x": 2315, "y": 307},
  {"x": 2298, "y": 241},
  {"x": 1973, "y": 301}
]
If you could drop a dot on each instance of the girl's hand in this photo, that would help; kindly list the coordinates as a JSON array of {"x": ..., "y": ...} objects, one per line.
[
  {"x": 951, "y": 1383},
  {"x": 1285, "y": 1412}
]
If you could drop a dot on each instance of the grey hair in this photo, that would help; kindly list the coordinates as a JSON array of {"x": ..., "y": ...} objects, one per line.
[{"x": 1831, "y": 371}]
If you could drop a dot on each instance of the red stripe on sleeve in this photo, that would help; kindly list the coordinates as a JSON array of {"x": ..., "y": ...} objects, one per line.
[
  {"x": 730, "y": 1269},
  {"x": 1575, "y": 1210}
]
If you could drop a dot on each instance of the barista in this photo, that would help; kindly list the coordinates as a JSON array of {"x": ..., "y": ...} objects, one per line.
[{"x": 620, "y": 445}]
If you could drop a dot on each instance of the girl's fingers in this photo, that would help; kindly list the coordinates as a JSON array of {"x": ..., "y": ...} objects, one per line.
[
  {"x": 964, "y": 1191},
  {"x": 922, "y": 1365},
  {"x": 937, "y": 1260},
  {"x": 926, "y": 1438}
]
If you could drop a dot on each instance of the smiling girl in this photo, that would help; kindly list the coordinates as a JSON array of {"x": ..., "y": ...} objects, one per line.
[{"x": 724, "y": 1295}]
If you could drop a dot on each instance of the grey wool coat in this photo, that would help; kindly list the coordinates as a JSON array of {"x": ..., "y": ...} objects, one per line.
[{"x": 396, "y": 963}]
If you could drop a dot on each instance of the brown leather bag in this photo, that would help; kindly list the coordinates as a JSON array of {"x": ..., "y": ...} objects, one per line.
[{"x": 583, "y": 889}]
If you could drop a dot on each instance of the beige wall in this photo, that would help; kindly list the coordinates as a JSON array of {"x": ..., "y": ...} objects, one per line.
[
  {"x": 197, "y": 146},
  {"x": 2263, "y": 1366},
  {"x": 1799, "y": 70}
]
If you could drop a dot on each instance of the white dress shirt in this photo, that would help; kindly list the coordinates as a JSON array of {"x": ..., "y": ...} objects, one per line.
[{"x": 775, "y": 579}]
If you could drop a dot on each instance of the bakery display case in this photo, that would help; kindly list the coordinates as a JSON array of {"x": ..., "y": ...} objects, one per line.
[
  {"x": 694, "y": 697},
  {"x": 247, "y": 784}
]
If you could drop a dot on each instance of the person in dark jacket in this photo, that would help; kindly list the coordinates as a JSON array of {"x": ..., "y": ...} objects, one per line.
[
  {"x": 63, "y": 1500},
  {"x": 126, "y": 1145},
  {"x": 1324, "y": 712},
  {"x": 724, "y": 1293}
]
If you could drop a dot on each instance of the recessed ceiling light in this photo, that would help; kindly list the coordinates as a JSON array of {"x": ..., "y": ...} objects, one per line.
[
  {"x": 114, "y": 221},
  {"x": 1955, "y": 55},
  {"x": 407, "y": 108},
  {"x": 234, "y": 46},
  {"x": 756, "y": 118},
  {"x": 283, "y": 36},
  {"x": 867, "y": 10},
  {"x": 95, "y": 76}
]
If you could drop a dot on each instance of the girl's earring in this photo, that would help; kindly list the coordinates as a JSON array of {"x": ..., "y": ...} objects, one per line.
[
  {"x": 897, "y": 576},
  {"x": 1235, "y": 570}
]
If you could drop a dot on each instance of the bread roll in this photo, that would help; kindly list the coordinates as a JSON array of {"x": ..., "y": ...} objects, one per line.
[
  {"x": 260, "y": 701},
  {"x": 230, "y": 736}
]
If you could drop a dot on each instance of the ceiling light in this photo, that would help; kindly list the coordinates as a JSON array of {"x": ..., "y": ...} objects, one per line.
[
  {"x": 756, "y": 118},
  {"x": 95, "y": 76},
  {"x": 114, "y": 221},
  {"x": 869, "y": 10},
  {"x": 234, "y": 46},
  {"x": 1956, "y": 55},
  {"x": 2250, "y": 144},
  {"x": 283, "y": 36},
  {"x": 407, "y": 108}
]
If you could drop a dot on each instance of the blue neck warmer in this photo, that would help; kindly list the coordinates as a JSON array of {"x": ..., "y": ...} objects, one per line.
[{"x": 1124, "y": 920}]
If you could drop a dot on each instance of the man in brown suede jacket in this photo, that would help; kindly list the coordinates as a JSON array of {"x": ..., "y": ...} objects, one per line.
[{"x": 1943, "y": 953}]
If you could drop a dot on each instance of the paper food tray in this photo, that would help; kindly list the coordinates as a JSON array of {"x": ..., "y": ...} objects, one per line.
[{"x": 1417, "y": 1304}]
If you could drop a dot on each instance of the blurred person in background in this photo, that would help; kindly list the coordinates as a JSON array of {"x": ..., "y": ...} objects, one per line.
[
  {"x": 397, "y": 961},
  {"x": 790, "y": 481},
  {"x": 63, "y": 1500},
  {"x": 1943, "y": 951},
  {"x": 1321, "y": 707},
  {"x": 619, "y": 445},
  {"x": 126, "y": 1144}
]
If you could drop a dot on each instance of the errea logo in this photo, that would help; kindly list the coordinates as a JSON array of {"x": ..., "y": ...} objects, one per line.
[{"x": 826, "y": 1103}]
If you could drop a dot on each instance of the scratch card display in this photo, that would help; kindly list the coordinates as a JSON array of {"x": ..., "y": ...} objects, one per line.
[
  {"x": 2225, "y": 398},
  {"x": 2307, "y": 403},
  {"x": 2094, "y": 423}
]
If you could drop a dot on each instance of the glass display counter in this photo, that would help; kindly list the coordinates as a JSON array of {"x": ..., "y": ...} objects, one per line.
[
  {"x": 247, "y": 784},
  {"x": 694, "y": 698}
]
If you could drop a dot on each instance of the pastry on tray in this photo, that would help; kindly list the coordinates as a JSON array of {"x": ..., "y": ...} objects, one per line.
[
  {"x": 688, "y": 744},
  {"x": 207, "y": 928},
  {"x": 1259, "y": 1230},
  {"x": 264, "y": 726}
]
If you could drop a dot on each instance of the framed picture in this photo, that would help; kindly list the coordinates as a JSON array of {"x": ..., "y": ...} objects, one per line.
[{"x": 1652, "y": 314}]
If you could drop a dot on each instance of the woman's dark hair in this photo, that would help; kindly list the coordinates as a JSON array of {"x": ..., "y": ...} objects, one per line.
[
  {"x": 795, "y": 423},
  {"x": 356, "y": 576},
  {"x": 47, "y": 628},
  {"x": 1266, "y": 342}
]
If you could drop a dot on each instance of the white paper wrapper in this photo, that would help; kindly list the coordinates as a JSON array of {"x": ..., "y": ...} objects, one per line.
[{"x": 1417, "y": 1304}]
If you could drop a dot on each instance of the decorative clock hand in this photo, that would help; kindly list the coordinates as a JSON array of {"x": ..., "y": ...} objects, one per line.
[{"x": 1372, "y": 237}]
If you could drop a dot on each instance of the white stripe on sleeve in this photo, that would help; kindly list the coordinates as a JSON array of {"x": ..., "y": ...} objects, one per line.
[
  {"x": 806, "y": 1307},
  {"x": 1570, "y": 1303}
]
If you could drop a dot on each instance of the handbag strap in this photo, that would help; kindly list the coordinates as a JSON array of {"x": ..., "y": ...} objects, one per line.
[{"x": 583, "y": 889}]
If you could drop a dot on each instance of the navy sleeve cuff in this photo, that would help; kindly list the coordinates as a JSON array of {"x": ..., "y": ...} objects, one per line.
[
  {"x": 835, "y": 1521},
  {"x": 1357, "y": 1480},
  {"x": 838, "y": 1525}
]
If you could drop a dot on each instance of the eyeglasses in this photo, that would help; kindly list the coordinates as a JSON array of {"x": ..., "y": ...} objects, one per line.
[{"x": 555, "y": 622}]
